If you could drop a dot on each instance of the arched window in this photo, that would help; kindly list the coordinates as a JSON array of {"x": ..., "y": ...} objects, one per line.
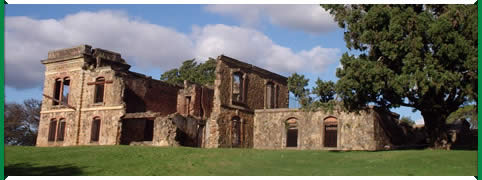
[
  {"x": 61, "y": 130},
  {"x": 99, "y": 90},
  {"x": 331, "y": 130},
  {"x": 292, "y": 132},
  {"x": 236, "y": 131},
  {"x": 95, "y": 131},
  {"x": 52, "y": 128}
]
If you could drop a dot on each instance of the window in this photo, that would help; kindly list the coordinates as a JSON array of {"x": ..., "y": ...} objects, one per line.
[
  {"x": 66, "y": 90},
  {"x": 238, "y": 87},
  {"x": 99, "y": 90},
  {"x": 57, "y": 90},
  {"x": 188, "y": 105},
  {"x": 270, "y": 95},
  {"x": 236, "y": 132},
  {"x": 52, "y": 128},
  {"x": 276, "y": 96},
  {"x": 61, "y": 130},
  {"x": 94, "y": 136},
  {"x": 61, "y": 91}
]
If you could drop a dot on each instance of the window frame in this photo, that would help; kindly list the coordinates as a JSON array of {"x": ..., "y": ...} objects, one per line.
[
  {"x": 67, "y": 78},
  {"x": 270, "y": 101},
  {"x": 60, "y": 136},
  {"x": 60, "y": 93},
  {"x": 52, "y": 130},
  {"x": 242, "y": 89},
  {"x": 97, "y": 83},
  {"x": 97, "y": 137}
]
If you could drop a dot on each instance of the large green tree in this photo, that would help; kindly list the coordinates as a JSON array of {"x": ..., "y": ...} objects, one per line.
[
  {"x": 202, "y": 73},
  {"x": 419, "y": 56}
]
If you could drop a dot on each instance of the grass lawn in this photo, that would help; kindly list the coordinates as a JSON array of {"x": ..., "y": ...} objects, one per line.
[{"x": 138, "y": 160}]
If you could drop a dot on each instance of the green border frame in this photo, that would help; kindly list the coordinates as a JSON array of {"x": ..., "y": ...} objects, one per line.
[
  {"x": 2, "y": 59},
  {"x": 2, "y": 101},
  {"x": 479, "y": 53}
]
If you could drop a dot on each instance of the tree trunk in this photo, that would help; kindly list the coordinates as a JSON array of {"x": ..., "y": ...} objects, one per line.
[{"x": 436, "y": 128}]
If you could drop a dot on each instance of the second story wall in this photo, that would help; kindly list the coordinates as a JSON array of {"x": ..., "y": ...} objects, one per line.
[
  {"x": 195, "y": 100},
  {"x": 142, "y": 94},
  {"x": 247, "y": 86}
]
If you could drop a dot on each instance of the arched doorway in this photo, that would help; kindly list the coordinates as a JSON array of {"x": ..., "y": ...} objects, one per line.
[
  {"x": 292, "y": 132},
  {"x": 236, "y": 132},
  {"x": 331, "y": 131}
]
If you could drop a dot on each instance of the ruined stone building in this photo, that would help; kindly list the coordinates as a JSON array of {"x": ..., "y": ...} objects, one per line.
[{"x": 91, "y": 98}]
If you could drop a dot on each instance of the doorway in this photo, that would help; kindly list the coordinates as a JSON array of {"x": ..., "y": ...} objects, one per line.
[{"x": 331, "y": 132}]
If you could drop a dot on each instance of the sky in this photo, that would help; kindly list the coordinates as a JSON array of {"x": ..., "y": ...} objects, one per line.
[{"x": 155, "y": 38}]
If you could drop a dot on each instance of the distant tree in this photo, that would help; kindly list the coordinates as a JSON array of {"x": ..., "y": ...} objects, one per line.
[
  {"x": 21, "y": 122},
  {"x": 468, "y": 112},
  {"x": 407, "y": 120},
  {"x": 297, "y": 85},
  {"x": 419, "y": 56},
  {"x": 202, "y": 73},
  {"x": 324, "y": 90}
]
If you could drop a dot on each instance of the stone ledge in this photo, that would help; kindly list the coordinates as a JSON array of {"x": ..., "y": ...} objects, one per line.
[
  {"x": 69, "y": 52},
  {"x": 277, "y": 110}
]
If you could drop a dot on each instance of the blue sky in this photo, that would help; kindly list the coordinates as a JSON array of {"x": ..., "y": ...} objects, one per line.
[{"x": 155, "y": 38}]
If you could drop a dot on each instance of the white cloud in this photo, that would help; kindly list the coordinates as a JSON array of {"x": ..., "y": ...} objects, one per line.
[
  {"x": 310, "y": 18},
  {"x": 256, "y": 48},
  {"x": 145, "y": 45},
  {"x": 28, "y": 41}
]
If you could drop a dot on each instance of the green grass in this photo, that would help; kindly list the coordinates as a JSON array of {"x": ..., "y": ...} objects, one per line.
[{"x": 137, "y": 160}]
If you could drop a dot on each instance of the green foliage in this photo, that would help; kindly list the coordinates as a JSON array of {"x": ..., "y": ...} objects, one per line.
[
  {"x": 202, "y": 73},
  {"x": 163, "y": 161},
  {"x": 419, "y": 56},
  {"x": 324, "y": 90},
  {"x": 468, "y": 112},
  {"x": 407, "y": 120},
  {"x": 297, "y": 85}
]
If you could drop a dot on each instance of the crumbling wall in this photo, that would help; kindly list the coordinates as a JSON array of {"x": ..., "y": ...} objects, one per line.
[
  {"x": 255, "y": 80},
  {"x": 176, "y": 130},
  {"x": 225, "y": 122},
  {"x": 164, "y": 132},
  {"x": 83, "y": 66},
  {"x": 200, "y": 99},
  {"x": 219, "y": 125},
  {"x": 144, "y": 94}
]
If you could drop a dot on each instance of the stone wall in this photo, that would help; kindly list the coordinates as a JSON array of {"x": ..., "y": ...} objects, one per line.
[
  {"x": 354, "y": 131},
  {"x": 201, "y": 100},
  {"x": 80, "y": 110},
  {"x": 64, "y": 69},
  {"x": 219, "y": 128},
  {"x": 144, "y": 94},
  {"x": 132, "y": 99}
]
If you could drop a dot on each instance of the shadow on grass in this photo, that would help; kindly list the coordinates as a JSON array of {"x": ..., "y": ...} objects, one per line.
[{"x": 26, "y": 169}]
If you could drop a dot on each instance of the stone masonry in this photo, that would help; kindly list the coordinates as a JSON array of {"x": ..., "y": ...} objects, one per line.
[{"x": 91, "y": 98}]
